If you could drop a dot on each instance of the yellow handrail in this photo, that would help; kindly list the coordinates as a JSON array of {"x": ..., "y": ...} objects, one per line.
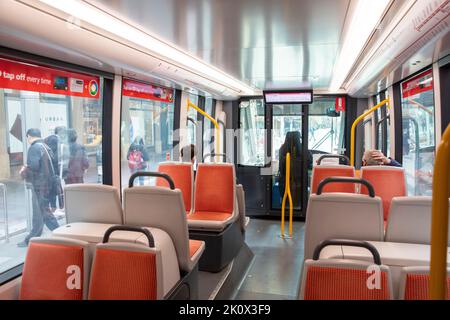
[
  {"x": 439, "y": 220},
  {"x": 361, "y": 117},
  {"x": 216, "y": 124},
  {"x": 287, "y": 194}
]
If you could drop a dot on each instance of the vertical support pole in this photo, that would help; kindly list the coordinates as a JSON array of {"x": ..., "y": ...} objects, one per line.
[
  {"x": 287, "y": 195},
  {"x": 439, "y": 220}
]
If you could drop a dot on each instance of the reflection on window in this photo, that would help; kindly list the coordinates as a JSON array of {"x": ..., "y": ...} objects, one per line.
[
  {"x": 63, "y": 119},
  {"x": 192, "y": 121},
  {"x": 146, "y": 134},
  {"x": 208, "y": 128},
  {"x": 418, "y": 132},
  {"x": 252, "y": 133}
]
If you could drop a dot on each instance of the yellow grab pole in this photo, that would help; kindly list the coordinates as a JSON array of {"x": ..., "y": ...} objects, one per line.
[
  {"x": 439, "y": 220},
  {"x": 216, "y": 124},
  {"x": 287, "y": 194},
  {"x": 361, "y": 117}
]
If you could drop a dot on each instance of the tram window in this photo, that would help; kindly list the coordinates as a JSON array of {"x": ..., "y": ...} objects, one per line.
[
  {"x": 146, "y": 128},
  {"x": 252, "y": 133},
  {"x": 65, "y": 109},
  {"x": 418, "y": 132},
  {"x": 192, "y": 121},
  {"x": 326, "y": 128},
  {"x": 208, "y": 127}
]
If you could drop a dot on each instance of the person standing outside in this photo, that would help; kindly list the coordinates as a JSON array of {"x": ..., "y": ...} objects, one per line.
[
  {"x": 38, "y": 173},
  {"x": 57, "y": 143},
  {"x": 137, "y": 157},
  {"x": 78, "y": 161}
]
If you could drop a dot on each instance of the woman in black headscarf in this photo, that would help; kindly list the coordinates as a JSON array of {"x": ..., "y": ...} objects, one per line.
[{"x": 292, "y": 144}]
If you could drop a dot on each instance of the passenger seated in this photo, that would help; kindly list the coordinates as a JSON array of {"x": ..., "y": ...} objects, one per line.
[
  {"x": 377, "y": 158},
  {"x": 189, "y": 154}
]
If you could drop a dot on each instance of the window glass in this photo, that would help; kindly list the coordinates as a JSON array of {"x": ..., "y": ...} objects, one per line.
[
  {"x": 418, "y": 132},
  {"x": 192, "y": 121},
  {"x": 252, "y": 133},
  {"x": 326, "y": 127},
  {"x": 208, "y": 128},
  {"x": 62, "y": 113},
  {"x": 286, "y": 138},
  {"x": 146, "y": 129}
]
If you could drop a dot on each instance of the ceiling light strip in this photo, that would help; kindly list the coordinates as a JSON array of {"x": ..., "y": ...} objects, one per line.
[
  {"x": 364, "y": 20},
  {"x": 103, "y": 20}
]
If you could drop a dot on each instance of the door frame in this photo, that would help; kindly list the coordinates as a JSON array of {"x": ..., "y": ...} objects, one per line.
[{"x": 252, "y": 172}]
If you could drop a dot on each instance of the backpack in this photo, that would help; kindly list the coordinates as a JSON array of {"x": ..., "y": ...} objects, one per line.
[{"x": 135, "y": 159}]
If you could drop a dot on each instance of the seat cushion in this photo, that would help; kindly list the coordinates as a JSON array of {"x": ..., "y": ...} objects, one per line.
[
  {"x": 212, "y": 216},
  {"x": 194, "y": 245}
]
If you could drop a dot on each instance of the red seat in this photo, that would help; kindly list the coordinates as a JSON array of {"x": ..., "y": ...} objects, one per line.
[
  {"x": 321, "y": 172},
  {"x": 121, "y": 273},
  {"x": 414, "y": 283},
  {"x": 388, "y": 182},
  {"x": 341, "y": 279},
  {"x": 183, "y": 176},
  {"x": 215, "y": 196},
  {"x": 55, "y": 269}
]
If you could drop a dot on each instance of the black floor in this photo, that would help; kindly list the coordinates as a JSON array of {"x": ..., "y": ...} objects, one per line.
[{"x": 275, "y": 271}]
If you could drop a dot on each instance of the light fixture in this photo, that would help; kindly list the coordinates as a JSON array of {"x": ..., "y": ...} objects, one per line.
[
  {"x": 364, "y": 20},
  {"x": 88, "y": 13}
]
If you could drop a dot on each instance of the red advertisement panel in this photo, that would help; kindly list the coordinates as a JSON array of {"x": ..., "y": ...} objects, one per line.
[
  {"x": 28, "y": 77},
  {"x": 135, "y": 89},
  {"x": 420, "y": 83},
  {"x": 340, "y": 104}
]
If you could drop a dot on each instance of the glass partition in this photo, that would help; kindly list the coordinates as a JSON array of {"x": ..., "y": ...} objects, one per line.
[
  {"x": 251, "y": 133},
  {"x": 418, "y": 132},
  {"x": 208, "y": 128},
  {"x": 146, "y": 129},
  {"x": 192, "y": 121}
]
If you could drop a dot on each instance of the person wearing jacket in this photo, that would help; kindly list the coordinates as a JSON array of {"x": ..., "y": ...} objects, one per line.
[
  {"x": 78, "y": 161},
  {"x": 38, "y": 172},
  {"x": 137, "y": 157},
  {"x": 57, "y": 143}
]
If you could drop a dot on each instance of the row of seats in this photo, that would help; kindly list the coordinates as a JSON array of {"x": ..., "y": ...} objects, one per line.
[
  {"x": 93, "y": 210},
  {"x": 348, "y": 279},
  {"x": 215, "y": 208},
  {"x": 213, "y": 181},
  {"x": 359, "y": 217},
  {"x": 406, "y": 242},
  {"x": 59, "y": 268},
  {"x": 388, "y": 182}
]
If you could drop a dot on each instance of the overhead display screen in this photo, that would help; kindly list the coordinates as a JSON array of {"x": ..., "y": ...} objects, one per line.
[{"x": 288, "y": 97}]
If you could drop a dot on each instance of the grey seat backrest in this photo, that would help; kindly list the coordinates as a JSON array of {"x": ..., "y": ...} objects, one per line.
[
  {"x": 342, "y": 216},
  {"x": 162, "y": 208},
  {"x": 92, "y": 203},
  {"x": 410, "y": 220}
]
